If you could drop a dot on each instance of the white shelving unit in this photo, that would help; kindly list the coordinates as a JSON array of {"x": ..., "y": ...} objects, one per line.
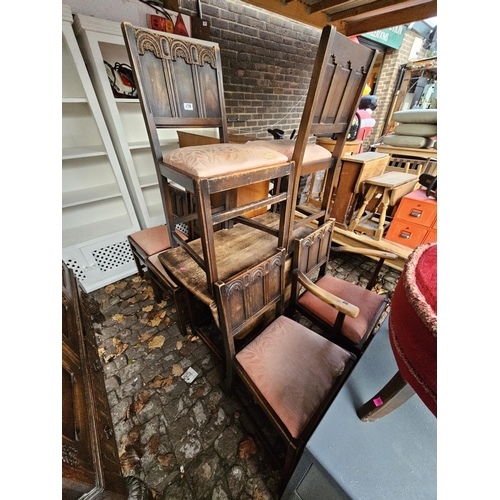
[
  {"x": 97, "y": 210},
  {"x": 102, "y": 40}
]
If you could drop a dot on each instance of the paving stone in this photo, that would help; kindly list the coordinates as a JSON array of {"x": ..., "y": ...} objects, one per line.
[{"x": 197, "y": 426}]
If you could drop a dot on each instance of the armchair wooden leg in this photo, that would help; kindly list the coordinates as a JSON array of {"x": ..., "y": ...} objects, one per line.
[{"x": 391, "y": 396}]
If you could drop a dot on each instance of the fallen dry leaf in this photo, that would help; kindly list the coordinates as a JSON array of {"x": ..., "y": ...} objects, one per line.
[
  {"x": 158, "y": 382},
  {"x": 178, "y": 345},
  {"x": 153, "y": 443},
  {"x": 119, "y": 318},
  {"x": 137, "y": 279},
  {"x": 101, "y": 351},
  {"x": 156, "y": 342},
  {"x": 162, "y": 304},
  {"x": 129, "y": 459},
  {"x": 147, "y": 309},
  {"x": 247, "y": 448},
  {"x": 133, "y": 434},
  {"x": 165, "y": 459},
  {"x": 108, "y": 358},
  {"x": 144, "y": 396},
  {"x": 258, "y": 495},
  {"x": 120, "y": 346},
  {"x": 134, "y": 409},
  {"x": 158, "y": 318},
  {"x": 110, "y": 288},
  {"x": 145, "y": 337},
  {"x": 194, "y": 338},
  {"x": 132, "y": 300},
  {"x": 177, "y": 370}
]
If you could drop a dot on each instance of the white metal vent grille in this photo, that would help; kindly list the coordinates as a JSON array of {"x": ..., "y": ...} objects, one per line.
[
  {"x": 183, "y": 228},
  {"x": 77, "y": 270},
  {"x": 113, "y": 256}
]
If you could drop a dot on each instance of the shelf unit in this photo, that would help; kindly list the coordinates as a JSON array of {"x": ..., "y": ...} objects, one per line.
[
  {"x": 102, "y": 40},
  {"x": 97, "y": 209}
]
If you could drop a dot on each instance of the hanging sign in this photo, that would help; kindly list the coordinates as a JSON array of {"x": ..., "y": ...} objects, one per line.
[{"x": 391, "y": 37}]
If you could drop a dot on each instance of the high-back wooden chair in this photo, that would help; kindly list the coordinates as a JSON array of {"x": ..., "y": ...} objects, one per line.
[
  {"x": 340, "y": 71},
  {"x": 179, "y": 83},
  {"x": 346, "y": 313},
  {"x": 292, "y": 372}
]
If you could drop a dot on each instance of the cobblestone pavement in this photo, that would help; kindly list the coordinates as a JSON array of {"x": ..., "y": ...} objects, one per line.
[{"x": 184, "y": 439}]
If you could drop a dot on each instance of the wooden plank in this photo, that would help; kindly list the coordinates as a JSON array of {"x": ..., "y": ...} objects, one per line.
[{"x": 344, "y": 237}]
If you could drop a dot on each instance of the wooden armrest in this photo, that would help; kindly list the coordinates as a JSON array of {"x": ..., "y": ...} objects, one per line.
[
  {"x": 340, "y": 304},
  {"x": 366, "y": 251}
]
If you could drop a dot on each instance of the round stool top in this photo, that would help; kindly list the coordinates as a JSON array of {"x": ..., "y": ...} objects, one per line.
[{"x": 413, "y": 323}]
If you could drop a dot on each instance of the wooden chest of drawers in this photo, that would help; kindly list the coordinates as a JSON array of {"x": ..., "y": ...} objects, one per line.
[
  {"x": 415, "y": 221},
  {"x": 90, "y": 461}
]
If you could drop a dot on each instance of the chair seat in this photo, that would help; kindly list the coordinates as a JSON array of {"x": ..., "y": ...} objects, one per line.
[
  {"x": 155, "y": 263},
  {"x": 293, "y": 368},
  {"x": 369, "y": 304},
  {"x": 313, "y": 152},
  {"x": 222, "y": 159},
  {"x": 153, "y": 240}
]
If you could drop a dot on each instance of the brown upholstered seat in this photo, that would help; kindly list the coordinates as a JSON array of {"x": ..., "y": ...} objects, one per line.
[
  {"x": 353, "y": 328},
  {"x": 279, "y": 363},
  {"x": 346, "y": 313}
]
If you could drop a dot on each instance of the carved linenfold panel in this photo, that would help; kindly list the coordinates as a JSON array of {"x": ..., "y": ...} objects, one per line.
[
  {"x": 167, "y": 47},
  {"x": 248, "y": 293}
]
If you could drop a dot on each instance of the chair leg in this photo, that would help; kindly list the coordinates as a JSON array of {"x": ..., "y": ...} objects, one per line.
[
  {"x": 137, "y": 261},
  {"x": 391, "y": 396}
]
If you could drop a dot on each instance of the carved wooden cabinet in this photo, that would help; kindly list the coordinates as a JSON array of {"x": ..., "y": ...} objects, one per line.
[{"x": 90, "y": 461}]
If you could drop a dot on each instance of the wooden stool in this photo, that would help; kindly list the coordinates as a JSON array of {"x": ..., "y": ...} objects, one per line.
[
  {"x": 394, "y": 185},
  {"x": 149, "y": 242}
]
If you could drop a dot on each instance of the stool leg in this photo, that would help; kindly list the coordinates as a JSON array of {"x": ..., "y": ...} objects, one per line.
[
  {"x": 385, "y": 203},
  {"x": 391, "y": 396},
  {"x": 369, "y": 195}
]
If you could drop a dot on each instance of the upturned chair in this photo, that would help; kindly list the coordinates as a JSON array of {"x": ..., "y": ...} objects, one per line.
[
  {"x": 292, "y": 372},
  {"x": 346, "y": 313},
  {"x": 179, "y": 83},
  {"x": 341, "y": 69}
]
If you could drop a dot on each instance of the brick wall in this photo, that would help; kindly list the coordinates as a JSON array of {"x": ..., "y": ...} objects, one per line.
[{"x": 267, "y": 63}]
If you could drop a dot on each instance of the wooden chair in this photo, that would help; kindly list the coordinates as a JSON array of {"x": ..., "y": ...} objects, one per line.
[
  {"x": 179, "y": 82},
  {"x": 345, "y": 312},
  {"x": 162, "y": 284},
  {"x": 292, "y": 372},
  {"x": 340, "y": 71},
  {"x": 147, "y": 242}
]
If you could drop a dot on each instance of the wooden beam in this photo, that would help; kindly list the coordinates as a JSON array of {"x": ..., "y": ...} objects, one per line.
[
  {"x": 388, "y": 20},
  {"x": 374, "y": 8},
  {"x": 323, "y": 5},
  {"x": 293, "y": 10}
]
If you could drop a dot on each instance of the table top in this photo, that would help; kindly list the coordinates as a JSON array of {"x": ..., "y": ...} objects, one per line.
[{"x": 391, "y": 458}]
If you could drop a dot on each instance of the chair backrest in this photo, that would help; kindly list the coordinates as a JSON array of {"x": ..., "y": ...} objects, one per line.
[
  {"x": 340, "y": 71},
  {"x": 179, "y": 82},
  {"x": 312, "y": 252},
  {"x": 245, "y": 298}
]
